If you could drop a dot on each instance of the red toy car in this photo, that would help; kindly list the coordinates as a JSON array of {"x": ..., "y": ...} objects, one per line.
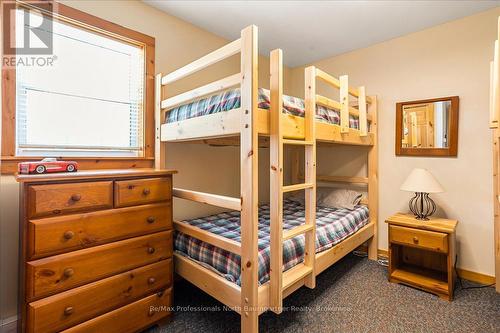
[{"x": 48, "y": 165}]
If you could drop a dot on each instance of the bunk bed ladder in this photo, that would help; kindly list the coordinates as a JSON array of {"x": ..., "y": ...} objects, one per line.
[{"x": 279, "y": 280}]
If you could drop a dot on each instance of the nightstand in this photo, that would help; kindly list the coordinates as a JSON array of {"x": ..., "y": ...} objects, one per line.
[{"x": 422, "y": 253}]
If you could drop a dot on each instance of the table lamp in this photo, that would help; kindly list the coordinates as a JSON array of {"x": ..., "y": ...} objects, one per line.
[{"x": 422, "y": 182}]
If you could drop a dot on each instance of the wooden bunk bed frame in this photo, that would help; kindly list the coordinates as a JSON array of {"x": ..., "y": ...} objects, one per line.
[
  {"x": 248, "y": 123},
  {"x": 494, "y": 125}
]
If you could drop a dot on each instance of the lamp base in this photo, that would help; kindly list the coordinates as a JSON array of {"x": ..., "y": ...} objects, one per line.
[{"x": 422, "y": 206}]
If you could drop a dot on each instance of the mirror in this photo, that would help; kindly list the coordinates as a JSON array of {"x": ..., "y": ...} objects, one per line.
[{"x": 427, "y": 127}]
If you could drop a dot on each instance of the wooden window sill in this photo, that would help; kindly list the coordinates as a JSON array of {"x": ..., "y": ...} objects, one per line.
[{"x": 9, "y": 163}]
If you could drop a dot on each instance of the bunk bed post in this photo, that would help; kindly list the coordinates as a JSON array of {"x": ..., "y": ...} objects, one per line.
[
  {"x": 373, "y": 181},
  {"x": 160, "y": 147},
  {"x": 276, "y": 183},
  {"x": 249, "y": 181},
  {"x": 344, "y": 104},
  {"x": 310, "y": 173}
]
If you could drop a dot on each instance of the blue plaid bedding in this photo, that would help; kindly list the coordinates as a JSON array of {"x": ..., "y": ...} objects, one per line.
[
  {"x": 332, "y": 226},
  {"x": 230, "y": 99}
]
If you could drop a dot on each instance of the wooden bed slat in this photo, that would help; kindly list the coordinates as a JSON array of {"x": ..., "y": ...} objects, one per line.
[
  {"x": 213, "y": 57},
  {"x": 205, "y": 90},
  {"x": 208, "y": 198},
  {"x": 336, "y": 83},
  {"x": 301, "y": 229},
  {"x": 493, "y": 120},
  {"x": 344, "y": 104},
  {"x": 208, "y": 237},
  {"x": 210, "y": 282},
  {"x": 297, "y": 142},
  {"x": 363, "y": 119},
  {"x": 276, "y": 182},
  {"x": 297, "y": 187},
  {"x": 295, "y": 273},
  {"x": 331, "y": 104},
  {"x": 342, "y": 179}
]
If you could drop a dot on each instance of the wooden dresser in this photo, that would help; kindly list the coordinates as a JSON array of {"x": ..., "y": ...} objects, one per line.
[{"x": 96, "y": 250}]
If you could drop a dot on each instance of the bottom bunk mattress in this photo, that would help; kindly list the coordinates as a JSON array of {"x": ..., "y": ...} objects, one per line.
[{"x": 332, "y": 226}]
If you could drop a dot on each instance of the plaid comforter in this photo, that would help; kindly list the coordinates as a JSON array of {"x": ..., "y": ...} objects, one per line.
[
  {"x": 332, "y": 226},
  {"x": 230, "y": 99}
]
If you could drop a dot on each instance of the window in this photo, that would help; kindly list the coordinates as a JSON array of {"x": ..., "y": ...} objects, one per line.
[{"x": 90, "y": 100}]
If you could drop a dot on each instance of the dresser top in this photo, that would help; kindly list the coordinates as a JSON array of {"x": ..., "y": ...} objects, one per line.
[
  {"x": 93, "y": 174},
  {"x": 434, "y": 223}
]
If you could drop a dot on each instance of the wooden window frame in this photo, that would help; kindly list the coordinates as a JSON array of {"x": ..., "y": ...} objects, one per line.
[{"x": 9, "y": 160}]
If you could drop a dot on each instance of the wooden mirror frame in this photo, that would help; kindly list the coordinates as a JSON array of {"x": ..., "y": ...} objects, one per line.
[{"x": 452, "y": 148}]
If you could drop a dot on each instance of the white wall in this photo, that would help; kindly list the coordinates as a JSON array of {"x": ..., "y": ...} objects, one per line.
[{"x": 446, "y": 60}]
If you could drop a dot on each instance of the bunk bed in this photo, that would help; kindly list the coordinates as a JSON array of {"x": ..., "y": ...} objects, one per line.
[
  {"x": 255, "y": 274},
  {"x": 494, "y": 125}
]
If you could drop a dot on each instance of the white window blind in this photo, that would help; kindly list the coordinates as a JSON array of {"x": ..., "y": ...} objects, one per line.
[{"x": 90, "y": 102}]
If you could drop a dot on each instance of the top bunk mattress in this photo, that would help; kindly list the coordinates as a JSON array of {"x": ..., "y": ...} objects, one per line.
[
  {"x": 230, "y": 99},
  {"x": 332, "y": 226}
]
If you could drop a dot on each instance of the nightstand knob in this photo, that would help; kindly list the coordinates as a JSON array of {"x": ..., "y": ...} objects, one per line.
[
  {"x": 151, "y": 280},
  {"x": 146, "y": 191},
  {"x": 151, "y": 250},
  {"x": 415, "y": 240},
  {"x": 151, "y": 219}
]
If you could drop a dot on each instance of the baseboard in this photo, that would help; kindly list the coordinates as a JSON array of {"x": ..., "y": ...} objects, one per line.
[
  {"x": 463, "y": 273},
  {"x": 8, "y": 325}
]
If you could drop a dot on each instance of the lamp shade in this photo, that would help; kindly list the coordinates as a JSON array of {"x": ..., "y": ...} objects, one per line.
[{"x": 421, "y": 180}]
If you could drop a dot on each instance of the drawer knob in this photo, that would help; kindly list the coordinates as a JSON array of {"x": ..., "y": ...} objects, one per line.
[
  {"x": 69, "y": 234},
  {"x": 68, "y": 311},
  {"x": 151, "y": 280},
  {"x": 76, "y": 197},
  {"x": 146, "y": 191},
  {"x": 151, "y": 219},
  {"x": 415, "y": 240},
  {"x": 151, "y": 250},
  {"x": 68, "y": 272}
]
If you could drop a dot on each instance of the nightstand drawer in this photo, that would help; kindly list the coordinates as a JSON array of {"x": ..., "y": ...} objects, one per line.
[{"x": 430, "y": 240}]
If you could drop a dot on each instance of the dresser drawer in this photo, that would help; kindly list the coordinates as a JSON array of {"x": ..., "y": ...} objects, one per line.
[
  {"x": 64, "y": 271},
  {"x": 142, "y": 191},
  {"x": 130, "y": 318},
  {"x": 74, "y": 306},
  {"x": 430, "y": 240},
  {"x": 56, "y": 199},
  {"x": 59, "y": 234}
]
